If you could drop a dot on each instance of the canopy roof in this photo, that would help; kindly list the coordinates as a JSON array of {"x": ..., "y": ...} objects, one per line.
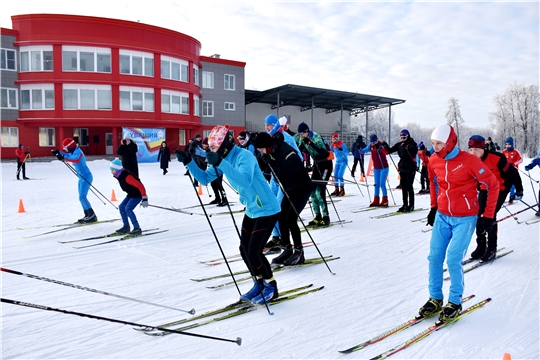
[{"x": 331, "y": 100}]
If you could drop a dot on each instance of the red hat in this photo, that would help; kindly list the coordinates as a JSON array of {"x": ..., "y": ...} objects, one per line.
[
  {"x": 335, "y": 137},
  {"x": 68, "y": 143}
]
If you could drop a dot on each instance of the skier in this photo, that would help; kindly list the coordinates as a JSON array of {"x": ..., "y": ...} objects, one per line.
[
  {"x": 514, "y": 157},
  {"x": 342, "y": 159},
  {"x": 535, "y": 162},
  {"x": 128, "y": 150},
  {"x": 281, "y": 158},
  {"x": 72, "y": 153},
  {"x": 423, "y": 159},
  {"x": 314, "y": 144},
  {"x": 507, "y": 176},
  {"x": 454, "y": 215},
  {"x": 21, "y": 161},
  {"x": 407, "y": 150},
  {"x": 490, "y": 146},
  {"x": 198, "y": 154},
  {"x": 380, "y": 169},
  {"x": 262, "y": 207},
  {"x": 136, "y": 193},
  {"x": 164, "y": 157},
  {"x": 246, "y": 141},
  {"x": 358, "y": 154}
]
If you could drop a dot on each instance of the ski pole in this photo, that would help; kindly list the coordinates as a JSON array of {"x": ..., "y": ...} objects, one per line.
[
  {"x": 355, "y": 180},
  {"x": 223, "y": 195},
  {"x": 36, "y": 277},
  {"x": 237, "y": 341},
  {"x": 517, "y": 212},
  {"x": 91, "y": 186},
  {"x": 390, "y": 190},
  {"x": 91, "y": 190},
  {"x": 208, "y": 191},
  {"x": 298, "y": 215},
  {"x": 506, "y": 208},
  {"x": 529, "y": 176},
  {"x": 174, "y": 209},
  {"x": 532, "y": 187}
]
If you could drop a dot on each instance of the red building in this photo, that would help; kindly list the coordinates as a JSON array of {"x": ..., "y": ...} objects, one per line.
[{"x": 89, "y": 77}]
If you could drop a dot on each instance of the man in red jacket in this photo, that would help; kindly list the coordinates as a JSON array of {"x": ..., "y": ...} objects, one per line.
[
  {"x": 21, "y": 161},
  {"x": 508, "y": 176},
  {"x": 454, "y": 216}
]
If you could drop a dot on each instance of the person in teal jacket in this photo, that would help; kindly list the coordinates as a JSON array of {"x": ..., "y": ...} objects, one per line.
[
  {"x": 262, "y": 207},
  {"x": 341, "y": 153}
]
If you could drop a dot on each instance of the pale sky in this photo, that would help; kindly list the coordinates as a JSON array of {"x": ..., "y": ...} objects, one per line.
[{"x": 422, "y": 52}]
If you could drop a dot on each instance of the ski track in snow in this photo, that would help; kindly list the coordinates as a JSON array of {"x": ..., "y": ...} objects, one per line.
[{"x": 380, "y": 282}]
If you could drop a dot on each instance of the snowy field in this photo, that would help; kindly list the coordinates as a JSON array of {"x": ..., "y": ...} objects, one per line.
[{"x": 381, "y": 278}]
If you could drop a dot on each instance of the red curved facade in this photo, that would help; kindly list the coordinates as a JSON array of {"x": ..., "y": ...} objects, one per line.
[{"x": 83, "y": 42}]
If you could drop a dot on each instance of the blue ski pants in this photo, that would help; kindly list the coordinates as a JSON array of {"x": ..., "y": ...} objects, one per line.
[
  {"x": 126, "y": 211},
  {"x": 83, "y": 186},
  {"x": 450, "y": 238},
  {"x": 380, "y": 176}
]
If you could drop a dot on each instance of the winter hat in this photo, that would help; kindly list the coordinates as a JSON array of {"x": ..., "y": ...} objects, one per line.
[
  {"x": 421, "y": 146},
  {"x": 273, "y": 121},
  {"x": 69, "y": 145},
  {"x": 20, "y": 146},
  {"x": 263, "y": 140},
  {"x": 446, "y": 134},
  {"x": 335, "y": 137},
  {"x": 197, "y": 135},
  {"x": 116, "y": 165},
  {"x": 222, "y": 137},
  {"x": 242, "y": 135},
  {"x": 489, "y": 138},
  {"x": 373, "y": 138},
  {"x": 510, "y": 140},
  {"x": 477, "y": 142},
  {"x": 205, "y": 141},
  {"x": 404, "y": 132},
  {"x": 284, "y": 122},
  {"x": 303, "y": 127}
]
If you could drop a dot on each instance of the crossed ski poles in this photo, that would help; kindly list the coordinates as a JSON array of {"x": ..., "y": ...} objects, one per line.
[
  {"x": 532, "y": 186},
  {"x": 92, "y": 188}
]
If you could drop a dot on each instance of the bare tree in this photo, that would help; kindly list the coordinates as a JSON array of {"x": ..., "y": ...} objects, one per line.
[
  {"x": 517, "y": 115},
  {"x": 453, "y": 116}
]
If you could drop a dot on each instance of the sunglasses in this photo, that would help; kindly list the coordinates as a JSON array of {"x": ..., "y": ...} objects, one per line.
[{"x": 403, "y": 137}]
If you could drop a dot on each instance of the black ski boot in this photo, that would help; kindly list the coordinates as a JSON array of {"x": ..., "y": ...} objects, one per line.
[
  {"x": 123, "y": 230},
  {"x": 430, "y": 308}
]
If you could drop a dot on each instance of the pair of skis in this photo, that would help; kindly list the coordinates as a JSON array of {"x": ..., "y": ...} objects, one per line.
[
  {"x": 229, "y": 311},
  {"x": 482, "y": 263},
  {"x": 121, "y": 237},
  {"x": 416, "y": 338},
  {"x": 64, "y": 227},
  {"x": 395, "y": 213}
]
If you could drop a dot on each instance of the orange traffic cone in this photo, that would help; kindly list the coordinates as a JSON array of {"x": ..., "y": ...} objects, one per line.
[
  {"x": 21, "y": 206},
  {"x": 113, "y": 196},
  {"x": 200, "y": 189},
  {"x": 507, "y": 356}
]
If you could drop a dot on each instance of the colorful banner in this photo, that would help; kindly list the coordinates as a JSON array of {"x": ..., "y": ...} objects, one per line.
[{"x": 148, "y": 141}]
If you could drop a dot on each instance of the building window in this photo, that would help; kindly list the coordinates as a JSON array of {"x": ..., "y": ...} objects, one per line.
[
  {"x": 36, "y": 58},
  {"x": 208, "y": 108},
  {"x": 136, "y": 98},
  {"x": 7, "y": 60},
  {"x": 81, "y": 134},
  {"x": 10, "y": 136},
  {"x": 229, "y": 82},
  {"x": 229, "y": 106},
  {"x": 174, "y": 102},
  {"x": 196, "y": 75},
  {"x": 46, "y": 137},
  {"x": 196, "y": 106},
  {"x": 207, "y": 80},
  {"x": 87, "y": 97},
  {"x": 37, "y": 97},
  {"x": 82, "y": 58},
  {"x": 174, "y": 69},
  {"x": 181, "y": 137},
  {"x": 136, "y": 63},
  {"x": 8, "y": 98}
]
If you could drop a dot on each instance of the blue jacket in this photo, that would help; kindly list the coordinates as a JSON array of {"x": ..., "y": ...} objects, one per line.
[
  {"x": 78, "y": 160},
  {"x": 243, "y": 172},
  {"x": 341, "y": 155},
  {"x": 358, "y": 148},
  {"x": 534, "y": 162}
]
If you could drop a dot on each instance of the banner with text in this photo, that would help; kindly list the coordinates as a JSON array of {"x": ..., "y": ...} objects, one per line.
[{"x": 148, "y": 141}]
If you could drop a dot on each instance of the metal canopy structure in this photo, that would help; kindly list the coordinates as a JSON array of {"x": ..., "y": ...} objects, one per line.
[{"x": 308, "y": 98}]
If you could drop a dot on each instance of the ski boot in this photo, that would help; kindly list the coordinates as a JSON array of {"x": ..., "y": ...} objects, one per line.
[
  {"x": 254, "y": 291},
  {"x": 375, "y": 202},
  {"x": 269, "y": 293},
  {"x": 430, "y": 308},
  {"x": 280, "y": 260},
  {"x": 296, "y": 258},
  {"x": 449, "y": 312},
  {"x": 316, "y": 221},
  {"x": 123, "y": 230}
]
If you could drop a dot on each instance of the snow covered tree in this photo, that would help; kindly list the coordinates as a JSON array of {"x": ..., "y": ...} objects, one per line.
[
  {"x": 453, "y": 118},
  {"x": 517, "y": 115}
]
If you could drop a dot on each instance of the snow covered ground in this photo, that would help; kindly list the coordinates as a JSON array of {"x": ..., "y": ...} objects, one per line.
[{"x": 381, "y": 279}]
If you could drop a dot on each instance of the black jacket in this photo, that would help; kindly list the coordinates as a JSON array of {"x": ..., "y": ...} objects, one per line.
[
  {"x": 129, "y": 157},
  {"x": 164, "y": 157},
  {"x": 407, "y": 151}
]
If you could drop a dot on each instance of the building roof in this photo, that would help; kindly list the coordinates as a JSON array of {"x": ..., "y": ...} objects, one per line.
[{"x": 331, "y": 100}]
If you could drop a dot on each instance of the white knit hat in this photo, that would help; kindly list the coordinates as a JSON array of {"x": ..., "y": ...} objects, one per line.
[{"x": 441, "y": 133}]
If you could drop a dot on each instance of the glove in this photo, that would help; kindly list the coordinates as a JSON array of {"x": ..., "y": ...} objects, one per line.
[
  {"x": 144, "y": 202},
  {"x": 266, "y": 158},
  {"x": 57, "y": 154},
  {"x": 431, "y": 216},
  {"x": 527, "y": 168},
  {"x": 183, "y": 156},
  {"x": 484, "y": 224},
  {"x": 340, "y": 148},
  {"x": 307, "y": 141},
  {"x": 377, "y": 145},
  {"x": 519, "y": 195},
  {"x": 213, "y": 158}
]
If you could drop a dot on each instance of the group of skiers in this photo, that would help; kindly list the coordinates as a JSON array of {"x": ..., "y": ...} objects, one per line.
[{"x": 270, "y": 173}]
